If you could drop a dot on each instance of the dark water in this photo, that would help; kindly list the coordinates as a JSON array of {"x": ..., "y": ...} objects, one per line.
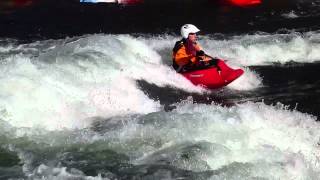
[
  {"x": 57, "y": 19},
  {"x": 87, "y": 92}
]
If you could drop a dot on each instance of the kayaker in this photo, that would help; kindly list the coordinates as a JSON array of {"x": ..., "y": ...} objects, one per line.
[{"x": 188, "y": 54}]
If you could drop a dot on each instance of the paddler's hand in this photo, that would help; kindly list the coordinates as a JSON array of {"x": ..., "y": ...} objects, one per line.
[
  {"x": 200, "y": 53},
  {"x": 204, "y": 58}
]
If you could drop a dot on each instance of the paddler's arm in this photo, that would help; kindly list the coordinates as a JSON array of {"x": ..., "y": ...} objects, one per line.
[
  {"x": 182, "y": 58},
  {"x": 202, "y": 56},
  {"x": 205, "y": 57}
]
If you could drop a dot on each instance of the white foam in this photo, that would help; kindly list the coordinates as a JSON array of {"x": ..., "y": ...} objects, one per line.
[
  {"x": 248, "y": 81},
  {"x": 250, "y": 140},
  {"x": 57, "y": 173},
  {"x": 265, "y": 49},
  {"x": 267, "y": 141},
  {"x": 58, "y": 84},
  {"x": 256, "y": 49},
  {"x": 290, "y": 15},
  {"x": 74, "y": 81}
]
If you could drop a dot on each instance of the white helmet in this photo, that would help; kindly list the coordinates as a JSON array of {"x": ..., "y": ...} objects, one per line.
[{"x": 188, "y": 28}]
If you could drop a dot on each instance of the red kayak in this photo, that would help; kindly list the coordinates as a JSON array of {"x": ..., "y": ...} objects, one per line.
[{"x": 211, "y": 78}]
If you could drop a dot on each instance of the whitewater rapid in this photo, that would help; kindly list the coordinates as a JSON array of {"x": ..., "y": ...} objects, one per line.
[
  {"x": 63, "y": 99},
  {"x": 61, "y": 83},
  {"x": 249, "y": 140},
  {"x": 56, "y": 83}
]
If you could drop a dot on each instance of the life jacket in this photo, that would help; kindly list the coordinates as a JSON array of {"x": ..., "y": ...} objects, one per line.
[
  {"x": 193, "y": 62},
  {"x": 175, "y": 49},
  {"x": 185, "y": 62}
]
